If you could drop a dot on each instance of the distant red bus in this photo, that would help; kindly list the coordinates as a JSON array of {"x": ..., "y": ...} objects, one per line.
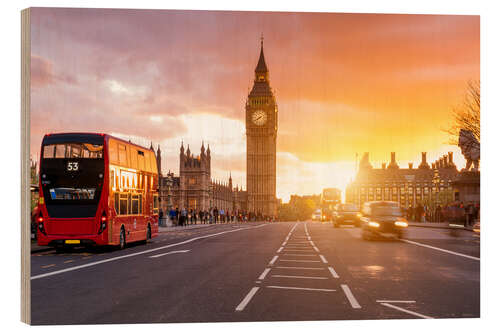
[
  {"x": 329, "y": 198},
  {"x": 96, "y": 189}
]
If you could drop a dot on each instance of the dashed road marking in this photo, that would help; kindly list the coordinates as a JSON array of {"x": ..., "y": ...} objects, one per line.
[
  {"x": 298, "y": 288},
  {"x": 273, "y": 260},
  {"x": 299, "y": 260},
  {"x": 264, "y": 273},
  {"x": 316, "y": 249},
  {"x": 350, "y": 297},
  {"x": 287, "y": 250},
  {"x": 68, "y": 261},
  {"x": 47, "y": 266},
  {"x": 391, "y": 301},
  {"x": 171, "y": 252},
  {"x": 247, "y": 299},
  {"x": 323, "y": 259},
  {"x": 292, "y": 267},
  {"x": 280, "y": 249},
  {"x": 300, "y": 277},
  {"x": 334, "y": 274},
  {"x": 299, "y": 255},
  {"x": 407, "y": 311}
]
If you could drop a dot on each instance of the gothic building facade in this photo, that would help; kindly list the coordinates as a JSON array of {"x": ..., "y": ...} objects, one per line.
[
  {"x": 425, "y": 184},
  {"x": 194, "y": 187},
  {"x": 261, "y": 118}
]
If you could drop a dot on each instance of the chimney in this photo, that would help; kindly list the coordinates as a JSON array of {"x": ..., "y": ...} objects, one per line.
[
  {"x": 424, "y": 164},
  {"x": 445, "y": 160},
  {"x": 450, "y": 158},
  {"x": 383, "y": 166},
  {"x": 410, "y": 166},
  {"x": 393, "y": 164}
]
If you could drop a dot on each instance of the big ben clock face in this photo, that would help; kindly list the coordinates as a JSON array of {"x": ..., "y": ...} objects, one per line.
[{"x": 259, "y": 117}]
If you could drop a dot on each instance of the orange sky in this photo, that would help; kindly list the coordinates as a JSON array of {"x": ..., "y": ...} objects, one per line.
[{"x": 345, "y": 84}]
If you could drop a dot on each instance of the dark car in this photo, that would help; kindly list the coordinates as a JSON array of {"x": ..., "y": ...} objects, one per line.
[
  {"x": 346, "y": 214},
  {"x": 382, "y": 218}
]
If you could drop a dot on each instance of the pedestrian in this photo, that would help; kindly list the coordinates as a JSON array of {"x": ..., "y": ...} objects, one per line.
[
  {"x": 216, "y": 213},
  {"x": 160, "y": 218},
  {"x": 437, "y": 213}
]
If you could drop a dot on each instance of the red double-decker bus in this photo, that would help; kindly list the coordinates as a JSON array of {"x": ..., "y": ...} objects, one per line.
[{"x": 96, "y": 189}]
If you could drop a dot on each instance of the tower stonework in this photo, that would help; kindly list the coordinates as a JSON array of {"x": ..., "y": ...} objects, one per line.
[{"x": 261, "y": 118}]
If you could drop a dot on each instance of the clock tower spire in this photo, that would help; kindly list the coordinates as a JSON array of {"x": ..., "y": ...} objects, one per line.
[{"x": 261, "y": 130}]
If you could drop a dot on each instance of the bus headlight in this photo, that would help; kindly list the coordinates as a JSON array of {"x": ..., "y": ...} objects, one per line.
[{"x": 373, "y": 224}]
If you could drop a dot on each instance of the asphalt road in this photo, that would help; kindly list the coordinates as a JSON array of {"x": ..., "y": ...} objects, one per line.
[{"x": 261, "y": 272}]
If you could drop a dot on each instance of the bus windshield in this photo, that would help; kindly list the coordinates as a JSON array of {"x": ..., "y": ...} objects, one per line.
[{"x": 72, "y": 175}]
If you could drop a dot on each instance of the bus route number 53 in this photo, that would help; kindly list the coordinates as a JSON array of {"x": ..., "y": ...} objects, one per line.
[{"x": 72, "y": 166}]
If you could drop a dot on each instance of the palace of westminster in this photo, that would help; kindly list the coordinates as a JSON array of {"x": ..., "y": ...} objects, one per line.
[{"x": 194, "y": 187}]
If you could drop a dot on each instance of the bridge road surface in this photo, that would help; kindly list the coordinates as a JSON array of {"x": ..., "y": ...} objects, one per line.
[{"x": 261, "y": 272}]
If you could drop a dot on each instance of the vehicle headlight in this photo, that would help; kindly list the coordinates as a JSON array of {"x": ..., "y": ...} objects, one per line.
[
  {"x": 401, "y": 224},
  {"x": 373, "y": 224}
]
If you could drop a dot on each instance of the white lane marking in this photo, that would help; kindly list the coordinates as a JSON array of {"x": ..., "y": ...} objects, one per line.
[
  {"x": 299, "y": 260},
  {"x": 407, "y": 311},
  {"x": 316, "y": 249},
  {"x": 298, "y": 243},
  {"x": 350, "y": 296},
  {"x": 283, "y": 244},
  {"x": 264, "y": 273},
  {"x": 299, "y": 255},
  {"x": 273, "y": 260},
  {"x": 171, "y": 252},
  {"x": 258, "y": 281},
  {"x": 247, "y": 299},
  {"x": 442, "y": 250},
  {"x": 139, "y": 253},
  {"x": 300, "y": 277},
  {"x": 280, "y": 249},
  {"x": 323, "y": 259},
  {"x": 292, "y": 267},
  {"x": 312, "y": 243},
  {"x": 391, "y": 301},
  {"x": 287, "y": 250},
  {"x": 334, "y": 274},
  {"x": 308, "y": 237},
  {"x": 297, "y": 288}
]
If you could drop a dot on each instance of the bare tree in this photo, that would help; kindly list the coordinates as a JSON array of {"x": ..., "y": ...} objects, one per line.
[{"x": 467, "y": 115}]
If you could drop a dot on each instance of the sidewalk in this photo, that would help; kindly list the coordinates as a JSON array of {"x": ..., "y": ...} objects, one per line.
[{"x": 186, "y": 227}]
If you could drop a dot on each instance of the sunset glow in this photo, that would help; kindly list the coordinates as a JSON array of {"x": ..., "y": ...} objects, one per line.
[{"x": 344, "y": 83}]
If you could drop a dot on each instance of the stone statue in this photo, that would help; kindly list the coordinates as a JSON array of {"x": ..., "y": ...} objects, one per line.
[{"x": 470, "y": 149}]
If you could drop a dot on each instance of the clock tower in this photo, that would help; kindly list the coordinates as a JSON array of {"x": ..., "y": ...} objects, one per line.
[{"x": 261, "y": 113}]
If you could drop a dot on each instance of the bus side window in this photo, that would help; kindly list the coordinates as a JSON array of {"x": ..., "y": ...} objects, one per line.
[
  {"x": 117, "y": 203},
  {"x": 140, "y": 203},
  {"x": 113, "y": 152},
  {"x": 122, "y": 155},
  {"x": 123, "y": 204}
]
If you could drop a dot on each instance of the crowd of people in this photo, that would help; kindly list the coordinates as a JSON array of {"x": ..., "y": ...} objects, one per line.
[
  {"x": 182, "y": 217},
  {"x": 455, "y": 212}
]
